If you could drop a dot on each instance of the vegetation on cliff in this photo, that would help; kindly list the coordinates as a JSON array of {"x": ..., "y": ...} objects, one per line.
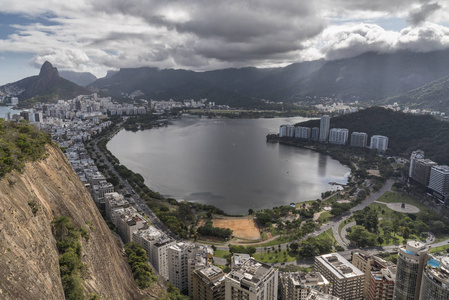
[
  {"x": 20, "y": 142},
  {"x": 138, "y": 260},
  {"x": 69, "y": 247}
]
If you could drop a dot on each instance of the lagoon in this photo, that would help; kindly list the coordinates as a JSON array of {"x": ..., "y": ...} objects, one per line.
[{"x": 227, "y": 163}]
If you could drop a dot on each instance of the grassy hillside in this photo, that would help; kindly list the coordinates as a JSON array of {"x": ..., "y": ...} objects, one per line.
[{"x": 405, "y": 132}]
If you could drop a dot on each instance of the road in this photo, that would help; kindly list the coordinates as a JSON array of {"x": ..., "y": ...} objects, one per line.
[
  {"x": 334, "y": 224},
  {"x": 143, "y": 206}
]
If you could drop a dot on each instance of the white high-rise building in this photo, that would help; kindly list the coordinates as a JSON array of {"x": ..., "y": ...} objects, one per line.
[
  {"x": 411, "y": 262},
  {"x": 439, "y": 181},
  {"x": 252, "y": 280},
  {"x": 183, "y": 259},
  {"x": 338, "y": 136},
  {"x": 324, "y": 128},
  {"x": 379, "y": 142}
]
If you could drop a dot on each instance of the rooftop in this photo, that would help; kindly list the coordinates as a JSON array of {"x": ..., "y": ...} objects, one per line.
[{"x": 338, "y": 265}]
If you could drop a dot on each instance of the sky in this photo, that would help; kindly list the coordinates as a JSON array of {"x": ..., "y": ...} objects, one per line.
[{"x": 99, "y": 35}]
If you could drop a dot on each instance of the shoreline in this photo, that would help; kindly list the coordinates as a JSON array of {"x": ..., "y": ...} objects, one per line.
[{"x": 329, "y": 188}]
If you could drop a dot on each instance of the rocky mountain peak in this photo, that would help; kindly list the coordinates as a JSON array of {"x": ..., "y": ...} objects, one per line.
[{"x": 47, "y": 68}]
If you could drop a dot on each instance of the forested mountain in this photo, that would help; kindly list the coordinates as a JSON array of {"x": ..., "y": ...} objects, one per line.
[
  {"x": 434, "y": 95},
  {"x": 370, "y": 76}
]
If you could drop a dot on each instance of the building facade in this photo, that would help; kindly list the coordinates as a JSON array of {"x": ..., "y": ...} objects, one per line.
[
  {"x": 435, "y": 280},
  {"x": 208, "y": 284},
  {"x": 359, "y": 139},
  {"x": 439, "y": 182},
  {"x": 347, "y": 281},
  {"x": 298, "y": 285},
  {"x": 411, "y": 261},
  {"x": 418, "y": 154},
  {"x": 324, "y": 128},
  {"x": 252, "y": 280},
  {"x": 421, "y": 170},
  {"x": 338, "y": 136},
  {"x": 379, "y": 142}
]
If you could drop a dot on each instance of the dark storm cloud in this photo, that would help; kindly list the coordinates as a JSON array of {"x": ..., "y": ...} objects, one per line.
[
  {"x": 238, "y": 27},
  {"x": 420, "y": 15}
]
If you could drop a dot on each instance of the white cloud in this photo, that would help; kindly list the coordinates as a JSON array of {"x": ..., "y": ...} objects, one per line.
[{"x": 88, "y": 35}]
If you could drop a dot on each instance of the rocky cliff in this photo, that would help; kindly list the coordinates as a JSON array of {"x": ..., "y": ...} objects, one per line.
[{"x": 29, "y": 267}]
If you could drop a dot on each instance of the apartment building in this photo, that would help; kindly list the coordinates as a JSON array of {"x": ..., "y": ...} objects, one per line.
[
  {"x": 298, "y": 285},
  {"x": 347, "y": 281},
  {"x": 411, "y": 262},
  {"x": 324, "y": 128},
  {"x": 421, "y": 170},
  {"x": 208, "y": 283},
  {"x": 439, "y": 182},
  {"x": 435, "y": 279},
  {"x": 338, "y": 136},
  {"x": 359, "y": 139},
  {"x": 379, "y": 142},
  {"x": 252, "y": 280}
]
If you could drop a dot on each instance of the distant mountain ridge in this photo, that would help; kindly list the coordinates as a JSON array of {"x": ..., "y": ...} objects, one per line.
[
  {"x": 80, "y": 78},
  {"x": 48, "y": 86},
  {"x": 434, "y": 96},
  {"x": 370, "y": 76}
]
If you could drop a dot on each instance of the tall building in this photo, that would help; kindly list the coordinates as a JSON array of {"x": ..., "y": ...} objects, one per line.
[
  {"x": 435, "y": 280},
  {"x": 369, "y": 264},
  {"x": 298, "y": 285},
  {"x": 338, "y": 136},
  {"x": 347, "y": 281},
  {"x": 411, "y": 261},
  {"x": 129, "y": 222},
  {"x": 421, "y": 170},
  {"x": 379, "y": 142},
  {"x": 439, "y": 182},
  {"x": 159, "y": 255},
  {"x": 325, "y": 123},
  {"x": 418, "y": 154},
  {"x": 315, "y": 134},
  {"x": 208, "y": 284},
  {"x": 359, "y": 139},
  {"x": 252, "y": 280},
  {"x": 283, "y": 130},
  {"x": 183, "y": 259}
]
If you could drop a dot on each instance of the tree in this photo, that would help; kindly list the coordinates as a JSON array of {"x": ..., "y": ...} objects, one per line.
[
  {"x": 250, "y": 211},
  {"x": 294, "y": 246}
]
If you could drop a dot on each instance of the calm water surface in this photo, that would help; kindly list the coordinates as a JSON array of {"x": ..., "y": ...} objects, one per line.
[{"x": 227, "y": 163}]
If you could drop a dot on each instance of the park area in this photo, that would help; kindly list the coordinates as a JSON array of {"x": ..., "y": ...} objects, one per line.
[{"x": 244, "y": 228}]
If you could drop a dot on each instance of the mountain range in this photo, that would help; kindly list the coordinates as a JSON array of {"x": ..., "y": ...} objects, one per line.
[
  {"x": 48, "y": 86},
  {"x": 405, "y": 77}
]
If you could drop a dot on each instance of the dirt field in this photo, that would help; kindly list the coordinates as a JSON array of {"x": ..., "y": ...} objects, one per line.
[{"x": 242, "y": 228}]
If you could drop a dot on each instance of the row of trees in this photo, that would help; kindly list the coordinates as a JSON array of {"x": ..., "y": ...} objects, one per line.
[{"x": 209, "y": 230}]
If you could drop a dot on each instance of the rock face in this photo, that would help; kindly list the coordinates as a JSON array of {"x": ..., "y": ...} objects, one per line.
[{"x": 29, "y": 267}]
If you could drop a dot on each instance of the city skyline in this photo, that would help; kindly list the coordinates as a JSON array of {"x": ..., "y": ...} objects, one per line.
[{"x": 99, "y": 36}]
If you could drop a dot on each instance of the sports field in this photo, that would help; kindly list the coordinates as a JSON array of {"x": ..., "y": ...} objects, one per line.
[{"x": 242, "y": 228}]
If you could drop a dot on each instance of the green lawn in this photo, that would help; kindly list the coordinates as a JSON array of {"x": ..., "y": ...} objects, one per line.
[
  {"x": 278, "y": 241},
  {"x": 327, "y": 235},
  {"x": 441, "y": 249},
  {"x": 391, "y": 197},
  {"x": 272, "y": 257},
  {"x": 324, "y": 217},
  {"x": 222, "y": 253}
]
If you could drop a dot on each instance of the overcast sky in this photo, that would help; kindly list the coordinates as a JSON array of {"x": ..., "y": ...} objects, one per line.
[{"x": 100, "y": 35}]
